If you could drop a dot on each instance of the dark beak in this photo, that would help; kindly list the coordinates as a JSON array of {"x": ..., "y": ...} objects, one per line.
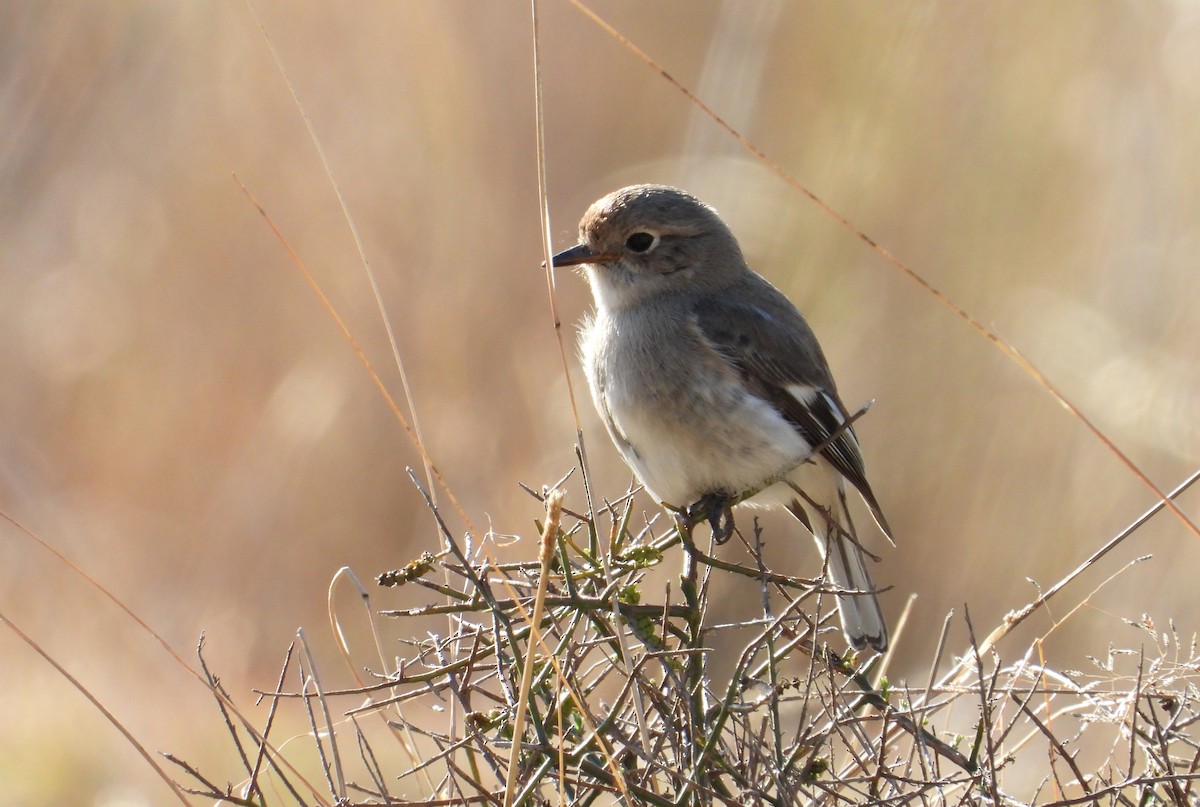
[{"x": 580, "y": 253}]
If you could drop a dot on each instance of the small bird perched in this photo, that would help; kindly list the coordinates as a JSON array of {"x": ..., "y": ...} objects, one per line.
[{"x": 712, "y": 385}]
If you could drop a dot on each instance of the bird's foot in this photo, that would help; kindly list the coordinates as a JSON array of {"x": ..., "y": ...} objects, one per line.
[{"x": 717, "y": 509}]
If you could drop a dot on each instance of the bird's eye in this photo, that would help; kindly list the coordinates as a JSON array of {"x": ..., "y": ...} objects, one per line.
[{"x": 641, "y": 242}]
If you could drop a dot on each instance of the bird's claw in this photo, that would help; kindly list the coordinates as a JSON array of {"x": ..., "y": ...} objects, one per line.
[{"x": 716, "y": 508}]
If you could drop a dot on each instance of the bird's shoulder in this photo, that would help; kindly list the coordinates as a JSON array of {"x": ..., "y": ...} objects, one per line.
[{"x": 755, "y": 326}]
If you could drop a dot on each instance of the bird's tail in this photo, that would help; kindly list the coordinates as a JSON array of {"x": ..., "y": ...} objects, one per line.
[{"x": 862, "y": 618}]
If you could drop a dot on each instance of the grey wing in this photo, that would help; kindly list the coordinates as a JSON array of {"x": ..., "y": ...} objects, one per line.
[{"x": 777, "y": 355}]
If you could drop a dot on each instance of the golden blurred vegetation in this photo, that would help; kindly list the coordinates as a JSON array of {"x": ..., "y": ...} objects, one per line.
[{"x": 181, "y": 416}]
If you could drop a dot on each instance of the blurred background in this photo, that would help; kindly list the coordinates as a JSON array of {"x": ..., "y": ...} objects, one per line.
[{"x": 181, "y": 417}]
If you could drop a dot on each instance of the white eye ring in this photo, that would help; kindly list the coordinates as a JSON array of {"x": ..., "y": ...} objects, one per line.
[{"x": 641, "y": 242}]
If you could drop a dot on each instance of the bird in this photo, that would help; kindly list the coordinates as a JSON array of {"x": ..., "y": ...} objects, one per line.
[{"x": 712, "y": 385}]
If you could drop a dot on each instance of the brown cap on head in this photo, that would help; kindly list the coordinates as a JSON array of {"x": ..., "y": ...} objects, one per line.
[{"x": 644, "y": 240}]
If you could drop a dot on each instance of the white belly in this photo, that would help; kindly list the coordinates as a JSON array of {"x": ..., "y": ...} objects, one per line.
[
  {"x": 682, "y": 458},
  {"x": 686, "y": 434}
]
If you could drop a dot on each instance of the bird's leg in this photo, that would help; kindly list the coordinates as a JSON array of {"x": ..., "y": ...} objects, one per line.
[{"x": 717, "y": 509}]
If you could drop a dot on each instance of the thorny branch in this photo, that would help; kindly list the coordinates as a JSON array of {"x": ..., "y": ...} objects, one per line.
[{"x": 759, "y": 712}]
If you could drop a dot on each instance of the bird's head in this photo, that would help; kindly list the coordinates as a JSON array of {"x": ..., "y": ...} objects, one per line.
[{"x": 647, "y": 240}]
